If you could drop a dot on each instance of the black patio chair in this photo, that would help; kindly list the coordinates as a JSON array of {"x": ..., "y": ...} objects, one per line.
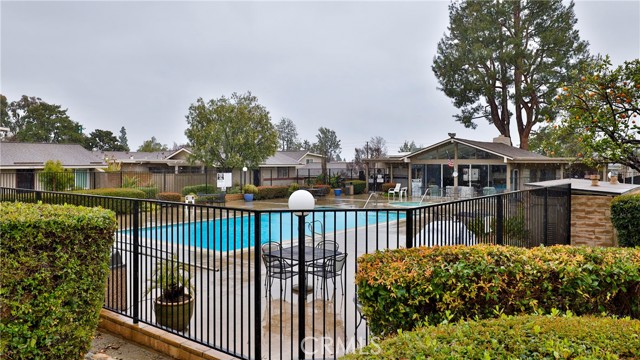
[
  {"x": 277, "y": 267},
  {"x": 331, "y": 269}
]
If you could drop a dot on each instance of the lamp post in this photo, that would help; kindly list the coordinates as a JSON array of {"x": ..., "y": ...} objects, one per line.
[
  {"x": 244, "y": 178},
  {"x": 300, "y": 201}
]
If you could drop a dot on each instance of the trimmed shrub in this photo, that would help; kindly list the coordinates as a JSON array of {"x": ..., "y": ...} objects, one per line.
[
  {"x": 293, "y": 188},
  {"x": 116, "y": 199},
  {"x": 54, "y": 177},
  {"x": 211, "y": 198},
  {"x": 169, "y": 196},
  {"x": 55, "y": 262},
  {"x": 250, "y": 189},
  {"x": 406, "y": 288},
  {"x": 151, "y": 192},
  {"x": 359, "y": 186},
  {"x": 520, "y": 337},
  {"x": 271, "y": 192},
  {"x": 199, "y": 189},
  {"x": 115, "y": 192},
  {"x": 625, "y": 216}
]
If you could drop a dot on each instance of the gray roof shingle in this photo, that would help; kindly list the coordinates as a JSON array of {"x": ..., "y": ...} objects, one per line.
[
  {"x": 33, "y": 156},
  {"x": 504, "y": 149},
  {"x": 285, "y": 158}
]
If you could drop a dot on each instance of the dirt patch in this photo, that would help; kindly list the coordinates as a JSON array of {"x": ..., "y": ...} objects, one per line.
[{"x": 121, "y": 349}]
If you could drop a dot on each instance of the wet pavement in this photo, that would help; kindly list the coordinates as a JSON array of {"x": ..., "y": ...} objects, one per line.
[{"x": 107, "y": 346}]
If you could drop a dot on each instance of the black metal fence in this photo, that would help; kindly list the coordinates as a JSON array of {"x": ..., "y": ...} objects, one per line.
[{"x": 251, "y": 301}]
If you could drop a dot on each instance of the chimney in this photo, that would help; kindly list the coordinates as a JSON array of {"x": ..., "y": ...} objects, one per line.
[{"x": 502, "y": 140}]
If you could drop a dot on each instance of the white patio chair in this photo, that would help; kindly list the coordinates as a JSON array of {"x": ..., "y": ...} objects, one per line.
[
  {"x": 403, "y": 192},
  {"x": 395, "y": 190}
]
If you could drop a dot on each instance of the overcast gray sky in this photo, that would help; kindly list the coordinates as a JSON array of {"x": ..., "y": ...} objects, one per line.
[{"x": 362, "y": 69}]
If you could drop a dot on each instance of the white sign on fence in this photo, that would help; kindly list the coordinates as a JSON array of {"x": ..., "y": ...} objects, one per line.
[{"x": 224, "y": 181}]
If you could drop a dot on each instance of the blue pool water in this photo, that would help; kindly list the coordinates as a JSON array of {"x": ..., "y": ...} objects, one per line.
[
  {"x": 408, "y": 203},
  {"x": 237, "y": 233}
]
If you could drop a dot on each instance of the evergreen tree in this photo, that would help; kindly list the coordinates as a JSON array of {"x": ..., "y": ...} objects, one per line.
[
  {"x": 122, "y": 139},
  {"x": 152, "y": 145},
  {"x": 507, "y": 58},
  {"x": 288, "y": 135},
  {"x": 31, "y": 119}
]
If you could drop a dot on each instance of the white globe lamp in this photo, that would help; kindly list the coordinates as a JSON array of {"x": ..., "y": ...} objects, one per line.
[{"x": 301, "y": 200}]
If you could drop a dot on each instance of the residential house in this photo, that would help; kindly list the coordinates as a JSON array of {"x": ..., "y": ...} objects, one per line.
[
  {"x": 21, "y": 163},
  {"x": 282, "y": 168},
  {"x": 165, "y": 170},
  {"x": 473, "y": 167},
  {"x": 158, "y": 162}
]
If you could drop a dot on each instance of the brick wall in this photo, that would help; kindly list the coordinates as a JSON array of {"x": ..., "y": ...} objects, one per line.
[{"x": 591, "y": 221}]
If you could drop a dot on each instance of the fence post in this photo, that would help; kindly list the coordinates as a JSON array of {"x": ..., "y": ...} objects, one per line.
[
  {"x": 164, "y": 181},
  {"x": 568, "y": 195},
  {"x": 257, "y": 307},
  {"x": 302, "y": 286},
  {"x": 499, "y": 220},
  {"x": 545, "y": 217},
  {"x": 136, "y": 261},
  {"x": 409, "y": 232}
]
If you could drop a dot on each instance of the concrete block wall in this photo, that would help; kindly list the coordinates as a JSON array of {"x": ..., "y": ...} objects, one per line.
[{"x": 591, "y": 221}]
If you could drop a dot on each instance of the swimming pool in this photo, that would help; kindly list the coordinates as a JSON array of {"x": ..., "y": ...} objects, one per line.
[{"x": 230, "y": 234}]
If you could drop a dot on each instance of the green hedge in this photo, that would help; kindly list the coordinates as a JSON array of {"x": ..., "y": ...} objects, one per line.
[
  {"x": 120, "y": 206},
  {"x": 406, "y": 288},
  {"x": 359, "y": 186},
  {"x": 169, "y": 196},
  {"x": 625, "y": 216},
  {"x": 151, "y": 192},
  {"x": 54, "y": 265},
  {"x": 216, "y": 198},
  {"x": 199, "y": 189},
  {"x": 115, "y": 192},
  {"x": 521, "y": 337},
  {"x": 271, "y": 192}
]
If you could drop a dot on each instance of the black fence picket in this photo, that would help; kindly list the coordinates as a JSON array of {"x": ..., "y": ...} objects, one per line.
[{"x": 245, "y": 309}]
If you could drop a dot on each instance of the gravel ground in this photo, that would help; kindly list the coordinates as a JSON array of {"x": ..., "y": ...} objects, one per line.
[{"x": 106, "y": 346}]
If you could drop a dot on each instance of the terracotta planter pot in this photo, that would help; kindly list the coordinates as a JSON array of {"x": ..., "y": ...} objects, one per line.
[{"x": 177, "y": 315}]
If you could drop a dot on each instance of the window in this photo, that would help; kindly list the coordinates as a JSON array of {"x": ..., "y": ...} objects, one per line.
[
  {"x": 81, "y": 179},
  {"x": 189, "y": 170},
  {"x": 283, "y": 173},
  {"x": 160, "y": 170}
]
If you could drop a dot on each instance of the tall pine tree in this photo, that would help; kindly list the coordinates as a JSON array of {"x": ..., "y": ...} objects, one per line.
[{"x": 507, "y": 58}]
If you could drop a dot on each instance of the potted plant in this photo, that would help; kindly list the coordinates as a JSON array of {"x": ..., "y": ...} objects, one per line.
[
  {"x": 249, "y": 191},
  {"x": 336, "y": 183},
  {"x": 174, "y": 307}
]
